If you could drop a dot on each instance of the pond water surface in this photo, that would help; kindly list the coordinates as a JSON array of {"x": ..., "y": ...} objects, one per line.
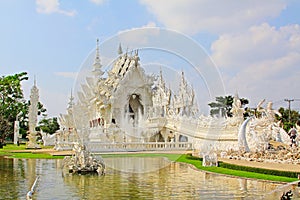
[{"x": 127, "y": 178}]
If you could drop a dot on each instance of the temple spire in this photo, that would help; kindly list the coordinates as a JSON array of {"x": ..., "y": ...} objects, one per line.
[
  {"x": 34, "y": 81},
  {"x": 120, "y": 51},
  {"x": 97, "y": 62},
  {"x": 161, "y": 79},
  {"x": 71, "y": 103}
]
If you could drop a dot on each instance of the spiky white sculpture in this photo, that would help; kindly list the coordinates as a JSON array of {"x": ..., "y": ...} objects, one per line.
[{"x": 32, "y": 117}]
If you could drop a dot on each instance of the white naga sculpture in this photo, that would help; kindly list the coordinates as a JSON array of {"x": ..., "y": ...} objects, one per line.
[
  {"x": 83, "y": 162},
  {"x": 261, "y": 130},
  {"x": 32, "y": 117},
  {"x": 48, "y": 139}
]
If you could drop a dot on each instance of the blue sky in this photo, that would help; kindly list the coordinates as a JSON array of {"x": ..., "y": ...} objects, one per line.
[{"x": 255, "y": 44}]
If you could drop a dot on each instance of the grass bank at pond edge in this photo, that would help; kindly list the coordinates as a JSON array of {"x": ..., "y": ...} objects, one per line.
[
  {"x": 9, "y": 149},
  {"x": 245, "y": 172}
]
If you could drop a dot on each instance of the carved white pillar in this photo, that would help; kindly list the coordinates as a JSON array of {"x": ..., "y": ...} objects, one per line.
[
  {"x": 32, "y": 117},
  {"x": 16, "y": 132}
]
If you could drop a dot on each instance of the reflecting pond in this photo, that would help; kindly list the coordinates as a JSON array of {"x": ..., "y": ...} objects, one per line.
[{"x": 128, "y": 178}]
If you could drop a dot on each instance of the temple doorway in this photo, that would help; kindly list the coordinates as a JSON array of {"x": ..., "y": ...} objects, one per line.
[{"x": 135, "y": 107}]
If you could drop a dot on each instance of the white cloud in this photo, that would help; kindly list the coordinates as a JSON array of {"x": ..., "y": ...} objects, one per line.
[
  {"x": 256, "y": 45},
  {"x": 97, "y": 2},
  {"x": 193, "y": 16},
  {"x": 150, "y": 24},
  {"x": 262, "y": 61},
  {"x": 52, "y": 6},
  {"x": 138, "y": 36}
]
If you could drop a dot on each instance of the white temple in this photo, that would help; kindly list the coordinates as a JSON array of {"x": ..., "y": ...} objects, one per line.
[{"x": 127, "y": 109}]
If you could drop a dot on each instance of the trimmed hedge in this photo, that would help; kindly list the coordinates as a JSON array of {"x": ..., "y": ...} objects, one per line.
[
  {"x": 191, "y": 157},
  {"x": 259, "y": 170},
  {"x": 250, "y": 169}
]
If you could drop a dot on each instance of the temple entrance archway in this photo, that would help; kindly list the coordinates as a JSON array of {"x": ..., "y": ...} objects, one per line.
[{"x": 135, "y": 107}]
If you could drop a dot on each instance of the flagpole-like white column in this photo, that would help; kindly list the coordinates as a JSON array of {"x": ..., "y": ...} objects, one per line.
[{"x": 32, "y": 117}]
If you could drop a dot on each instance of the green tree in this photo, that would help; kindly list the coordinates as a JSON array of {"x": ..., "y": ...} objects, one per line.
[
  {"x": 23, "y": 118},
  {"x": 4, "y": 128},
  {"x": 12, "y": 102},
  {"x": 13, "y": 105},
  {"x": 223, "y": 105},
  {"x": 285, "y": 113},
  {"x": 48, "y": 125}
]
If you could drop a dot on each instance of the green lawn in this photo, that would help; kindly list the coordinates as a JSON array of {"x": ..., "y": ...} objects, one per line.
[
  {"x": 34, "y": 156},
  {"x": 9, "y": 148},
  {"x": 245, "y": 174}
]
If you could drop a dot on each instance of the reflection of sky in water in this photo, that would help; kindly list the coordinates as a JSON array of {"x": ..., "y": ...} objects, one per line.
[{"x": 172, "y": 181}]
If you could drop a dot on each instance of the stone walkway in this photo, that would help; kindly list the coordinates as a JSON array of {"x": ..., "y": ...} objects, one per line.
[
  {"x": 52, "y": 152},
  {"x": 263, "y": 165}
]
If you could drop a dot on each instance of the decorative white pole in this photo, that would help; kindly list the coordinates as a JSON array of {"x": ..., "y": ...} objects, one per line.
[
  {"x": 16, "y": 131},
  {"x": 32, "y": 117}
]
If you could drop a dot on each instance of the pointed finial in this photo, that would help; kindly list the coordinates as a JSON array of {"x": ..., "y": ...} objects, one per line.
[
  {"x": 182, "y": 76},
  {"x": 161, "y": 74},
  {"x": 71, "y": 103},
  {"x": 120, "y": 51},
  {"x": 97, "y": 51},
  {"x": 97, "y": 62},
  {"x": 161, "y": 79},
  {"x": 34, "y": 80},
  {"x": 236, "y": 95}
]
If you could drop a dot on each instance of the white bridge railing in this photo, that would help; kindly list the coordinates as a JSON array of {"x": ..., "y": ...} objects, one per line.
[{"x": 139, "y": 146}]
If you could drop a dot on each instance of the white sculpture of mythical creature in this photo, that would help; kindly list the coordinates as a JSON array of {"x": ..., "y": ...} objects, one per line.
[
  {"x": 298, "y": 136},
  {"x": 237, "y": 113},
  {"x": 48, "y": 139},
  {"x": 279, "y": 134},
  {"x": 59, "y": 141},
  {"x": 83, "y": 162},
  {"x": 263, "y": 129},
  {"x": 268, "y": 114}
]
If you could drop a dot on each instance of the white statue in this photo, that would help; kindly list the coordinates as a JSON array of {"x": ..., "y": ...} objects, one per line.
[
  {"x": 83, "y": 162},
  {"x": 48, "y": 139},
  {"x": 237, "y": 113},
  {"x": 270, "y": 112}
]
